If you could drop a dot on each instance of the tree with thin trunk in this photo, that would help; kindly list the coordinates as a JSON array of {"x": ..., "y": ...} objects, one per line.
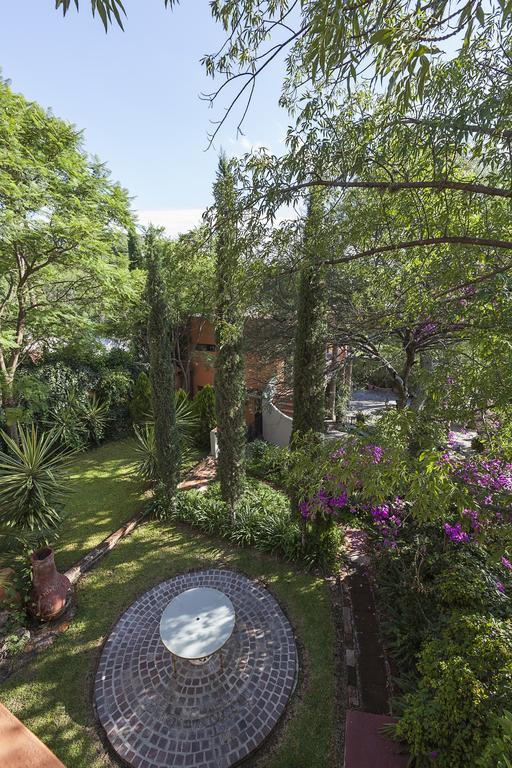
[
  {"x": 229, "y": 368},
  {"x": 162, "y": 373},
  {"x": 309, "y": 362},
  {"x": 63, "y": 266}
]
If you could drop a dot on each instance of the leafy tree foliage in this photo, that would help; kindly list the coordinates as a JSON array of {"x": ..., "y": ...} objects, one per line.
[
  {"x": 229, "y": 368},
  {"x": 140, "y": 404},
  {"x": 62, "y": 269}
]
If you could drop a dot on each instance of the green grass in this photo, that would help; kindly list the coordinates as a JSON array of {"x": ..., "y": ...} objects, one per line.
[
  {"x": 53, "y": 695},
  {"x": 104, "y": 494}
]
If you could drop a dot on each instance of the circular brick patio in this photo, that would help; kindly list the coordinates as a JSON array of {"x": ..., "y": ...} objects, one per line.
[{"x": 202, "y": 716}]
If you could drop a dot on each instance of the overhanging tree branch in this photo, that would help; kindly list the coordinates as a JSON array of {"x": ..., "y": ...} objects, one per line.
[
  {"x": 396, "y": 186},
  {"x": 444, "y": 240}
]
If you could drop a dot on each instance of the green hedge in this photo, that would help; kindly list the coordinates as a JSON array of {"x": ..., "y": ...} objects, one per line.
[{"x": 262, "y": 520}]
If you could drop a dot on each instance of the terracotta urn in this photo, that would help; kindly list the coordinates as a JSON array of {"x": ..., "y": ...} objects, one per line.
[{"x": 49, "y": 587}]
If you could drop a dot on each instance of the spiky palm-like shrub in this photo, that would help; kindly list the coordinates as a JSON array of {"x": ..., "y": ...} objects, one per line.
[
  {"x": 32, "y": 481},
  {"x": 94, "y": 417},
  {"x": 186, "y": 423}
]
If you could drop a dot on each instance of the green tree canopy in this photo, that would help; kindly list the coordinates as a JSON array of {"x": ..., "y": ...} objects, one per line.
[{"x": 63, "y": 261}]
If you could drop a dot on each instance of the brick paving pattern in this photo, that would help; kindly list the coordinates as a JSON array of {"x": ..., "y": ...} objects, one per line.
[{"x": 203, "y": 716}]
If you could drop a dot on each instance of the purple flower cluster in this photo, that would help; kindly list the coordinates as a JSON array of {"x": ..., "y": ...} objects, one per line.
[
  {"x": 387, "y": 520},
  {"x": 474, "y": 521},
  {"x": 452, "y": 438},
  {"x": 376, "y": 452},
  {"x": 491, "y": 474},
  {"x": 455, "y": 532},
  {"x": 324, "y": 503},
  {"x": 506, "y": 563}
]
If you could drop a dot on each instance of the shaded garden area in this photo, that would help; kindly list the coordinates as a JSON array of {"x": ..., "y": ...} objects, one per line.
[
  {"x": 354, "y": 285},
  {"x": 53, "y": 694}
]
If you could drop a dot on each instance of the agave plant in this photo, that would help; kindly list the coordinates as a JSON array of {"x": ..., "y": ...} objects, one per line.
[{"x": 32, "y": 481}]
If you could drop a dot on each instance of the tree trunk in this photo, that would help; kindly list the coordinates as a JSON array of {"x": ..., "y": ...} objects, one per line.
[{"x": 9, "y": 402}]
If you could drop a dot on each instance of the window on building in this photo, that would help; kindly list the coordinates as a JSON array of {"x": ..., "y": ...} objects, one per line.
[{"x": 206, "y": 347}]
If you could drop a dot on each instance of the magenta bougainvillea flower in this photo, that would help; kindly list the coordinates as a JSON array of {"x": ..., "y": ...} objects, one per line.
[{"x": 455, "y": 532}]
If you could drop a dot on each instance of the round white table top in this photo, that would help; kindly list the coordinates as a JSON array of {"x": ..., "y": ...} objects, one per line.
[{"x": 197, "y": 623}]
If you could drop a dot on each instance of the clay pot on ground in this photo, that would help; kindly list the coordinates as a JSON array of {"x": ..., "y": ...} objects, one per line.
[
  {"x": 49, "y": 587},
  {"x": 8, "y": 592}
]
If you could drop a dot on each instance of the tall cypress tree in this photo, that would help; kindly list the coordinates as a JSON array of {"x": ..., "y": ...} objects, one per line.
[
  {"x": 135, "y": 255},
  {"x": 229, "y": 368},
  {"x": 161, "y": 372},
  {"x": 311, "y": 330}
]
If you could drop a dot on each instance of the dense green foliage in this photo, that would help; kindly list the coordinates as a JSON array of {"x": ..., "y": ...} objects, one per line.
[
  {"x": 464, "y": 684},
  {"x": 140, "y": 403},
  {"x": 229, "y": 325},
  {"x": 63, "y": 261},
  {"x": 311, "y": 330},
  {"x": 204, "y": 405},
  {"x": 162, "y": 372},
  {"x": 262, "y": 520},
  {"x": 268, "y": 462}
]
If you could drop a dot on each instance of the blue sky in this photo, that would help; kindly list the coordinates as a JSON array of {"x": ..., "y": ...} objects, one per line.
[{"x": 136, "y": 96}]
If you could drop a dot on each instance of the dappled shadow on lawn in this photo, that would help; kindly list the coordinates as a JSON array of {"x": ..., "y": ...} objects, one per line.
[
  {"x": 53, "y": 695},
  {"x": 105, "y": 493}
]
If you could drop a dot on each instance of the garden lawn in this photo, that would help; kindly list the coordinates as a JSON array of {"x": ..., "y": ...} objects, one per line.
[
  {"x": 104, "y": 494},
  {"x": 53, "y": 695}
]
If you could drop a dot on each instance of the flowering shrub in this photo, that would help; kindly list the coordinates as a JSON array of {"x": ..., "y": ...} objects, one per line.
[{"x": 464, "y": 684}]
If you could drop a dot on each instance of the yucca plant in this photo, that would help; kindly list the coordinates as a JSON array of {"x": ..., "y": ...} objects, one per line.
[
  {"x": 145, "y": 449},
  {"x": 186, "y": 423},
  {"x": 66, "y": 423},
  {"x": 32, "y": 481},
  {"x": 94, "y": 417}
]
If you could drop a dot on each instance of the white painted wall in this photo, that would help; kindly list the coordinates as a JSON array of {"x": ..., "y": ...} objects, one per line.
[
  {"x": 214, "y": 443},
  {"x": 277, "y": 426}
]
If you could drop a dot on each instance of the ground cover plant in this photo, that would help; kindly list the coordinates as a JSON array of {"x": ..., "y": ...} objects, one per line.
[{"x": 51, "y": 695}]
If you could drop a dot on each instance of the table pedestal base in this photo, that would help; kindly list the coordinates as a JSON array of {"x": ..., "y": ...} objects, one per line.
[{"x": 199, "y": 662}]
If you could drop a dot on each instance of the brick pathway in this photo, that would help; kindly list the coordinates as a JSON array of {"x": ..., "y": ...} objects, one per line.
[
  {"x": 367, "y": 677},
  {"x": 202, "y": 716}
]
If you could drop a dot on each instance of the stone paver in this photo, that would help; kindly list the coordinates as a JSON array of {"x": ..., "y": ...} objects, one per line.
[
  {"x": 366, "y": 668},
  {"x": 200, "y": 475},
  {"x": 203, "y": 715}
]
